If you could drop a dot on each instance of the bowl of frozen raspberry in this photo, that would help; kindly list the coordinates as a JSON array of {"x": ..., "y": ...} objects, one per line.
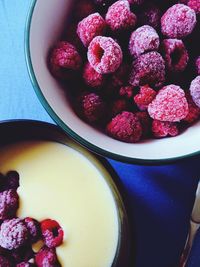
[{"x": 122, "y": 78}]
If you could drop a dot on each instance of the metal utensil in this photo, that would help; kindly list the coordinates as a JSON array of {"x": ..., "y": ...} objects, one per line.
[{"x": 194, "y": 226}]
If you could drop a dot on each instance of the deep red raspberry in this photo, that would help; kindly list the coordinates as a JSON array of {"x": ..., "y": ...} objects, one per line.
[
  {"x": 52, "y": 233},
  {"x": 195, "y": 5},
  {"x": 104, "y": 55},
  {"x": 120, "y": 76},
  {"x": 126, "y": 91},
  {"x": 170, "y": 104},
  {"x": 118, "y": 106},
  {"x": 92, "y": 107},
  {"x": 12, "y": 180},
  {"x": 143, "y": 40},
  {"x": 125, "y": 127},
  {"x": 149, "y": 69},
  {"x": 198, "y": 65},
  {"x": 23, "y": 253},
  {"x": 90, "y": 27},
  {"x": 178, "y": 21},
  {"x": 119, "y": 17},
  {"x": 175, "y": 55},
  {"x": 151, "y": 15},
  {"x": 194, "y": 111},
  {"x": 145, "y": 97},
  {"x": 13, "y": 234},
  {"x": 46, "y": 257},
  {"x": 164, "y": 129},
  {"x": 33, "y": 227},
  {"x": 195, "y": 90},
  {"x": 24, "y": 264},
  {"x": 64, "y": 57},
  {"x": 83, "y": 9},
  {"x": 145, "y": 121},
  {"x": 9, "y": 203},
  {"x": 92, "y": 78},
  {"x": 4, "y": 262}
]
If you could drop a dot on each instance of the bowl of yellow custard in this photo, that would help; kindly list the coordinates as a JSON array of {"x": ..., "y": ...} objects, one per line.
[{"x": 61, "y": 180}]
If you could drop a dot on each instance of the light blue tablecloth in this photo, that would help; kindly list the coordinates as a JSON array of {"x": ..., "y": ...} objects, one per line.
[{"x": 159, "y": 198}]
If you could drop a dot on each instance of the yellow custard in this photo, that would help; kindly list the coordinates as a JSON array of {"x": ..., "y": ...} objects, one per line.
[{"x": 60, "y": 183}]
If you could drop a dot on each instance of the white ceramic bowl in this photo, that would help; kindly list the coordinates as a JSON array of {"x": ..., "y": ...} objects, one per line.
[{"x": 45, "y": 23}]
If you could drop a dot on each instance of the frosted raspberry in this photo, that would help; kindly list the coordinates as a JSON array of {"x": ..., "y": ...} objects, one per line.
[
  {"x": 126, "y": 91},
  {"x": 170, "y": 104},
  {"x": 195, "y": 90},
  {"x": 92, "y": 78},
  {"x": 25, "y": 264},
  {"x": 64, "y": 57},
  {"x": 52, "y": 233},
  {"x": 143, "y": 40},
  {"x": 92, "y": 107},
  {"x": 149, "y": 69},
  {"x": 120, "y": 76},
  {"x": 198, "y": 65},
  {"x": 89, "y": 27},
  {"x": 164, "y": 128},
  {"x": 178, "y": 21},
  {"x": 46, "y": 257},
  {"x": 151, "y": 15},
  {"x": 118, "y": 106},
  {"x": 125, "y": 127},
  {"x": 104, "y": 55},
  {"x": 195, "y": 5},
  {"x": 4, "y": 262},
  {"x": 194, "y": 111},
  {"x": 33, "y": 227},
  {"x": 175, "y": 55},
  {"x": 13, "y": 234},
  {"x": 119, "y": 17},
  {"x": 145, "y": 121},
  {"x": 83, "y": 9},
  {"x": 145, "y": 97},
  {"x": 12, "y": 180},
  {"x": 9, "y": 203}
]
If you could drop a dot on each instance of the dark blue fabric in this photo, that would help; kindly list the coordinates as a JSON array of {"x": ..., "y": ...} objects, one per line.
[{"x": 159, "y": 199}]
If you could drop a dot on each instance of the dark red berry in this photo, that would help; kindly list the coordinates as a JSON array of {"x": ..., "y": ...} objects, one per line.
[
  {"x": 46, "y": 257},
  {"x": 23, "y": 253},
  {"x": 33, "y": 227},
  {"x": 9, "y": 203},
  {"x": 12, "y": 180},
  {"x": 4, "y": 262},
  {"x": 145, "y": 97},
  {"x": 164, "y": 129}
]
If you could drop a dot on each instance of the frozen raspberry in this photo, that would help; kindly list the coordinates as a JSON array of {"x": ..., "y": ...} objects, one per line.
[
  {"x": 90, "y": 27},
  {"x": 151, "y": 16},
  {"x": 143, "y": 40},
  {"x": 92, "y": 107},
  {"x": 104, "y": 55},
  {"x": 145, "y": 121},
  {"x": 145, "y": 97},
  {"x": 120, "y": 76},
  {"x": 198, "y": 65},
  {"x": 52, "y": 233},
  {"x": 64, "y": 57},
  {"x": 170, "y": 104},
  {"x": 195, "y": 5},
  {"x": 23, "y": 253},
  {"x": 126, "y": 91},
  {"x": 164, "y": 128},
  {"x": 9, "y": 203},
  {"x": 25, "y": 264},
  {"x": 83, "y": 9},
  {"x": 118, "y": 106},
  {"x": 4, "y": 262},
  {"x": 46, "y": 257},
  {"x": 119, "y": 17},
  {"x": 175, "y": 55},
  {"x": 12, "y": 180},
  {"x": 149, "y": 69},
  {"x": 136, "y": 2},
  {"x": 33, "y": 227},
  {"x": 13, "y": 234},
  {"x": 195, "y": 90},
  {"x": 92, "y": 78},
  {"x": 178, "y": 21},
  {"x": 125, "y": 127},
  {"x": 194, "y": 111}
]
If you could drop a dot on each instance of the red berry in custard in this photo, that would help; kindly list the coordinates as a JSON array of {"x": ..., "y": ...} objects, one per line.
[
  {"x": 4, "y": 262},
  {"x": 90, "y": 27},
  {"x": 149, "y": 69},
  {"x": 119, "y": 16},
  {"x": 104, "y": 54},
  {"x": 145, "y": 97},
  {"x": 144, "y": 39},
  {"x": 195, "y": 90},
  {"x": 170, "y": 104},
  {"x": 9, "y": 203},
  {"x": 12, "y": 180},
  {"x": 46, "y": 257},
  {"x": 13, "y": 234},
  {"x": 52, "y": 233},
  {"x": 33, "y": 227},
  {"x": 92, "y": 78},
  {"x": 164, "y": 129},
  {"x": 125, "y": 127},
  {"x": 178, "y": 21}
]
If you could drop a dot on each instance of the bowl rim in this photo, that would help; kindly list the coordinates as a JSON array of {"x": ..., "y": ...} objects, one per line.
[{"x": 76, "y": 137}]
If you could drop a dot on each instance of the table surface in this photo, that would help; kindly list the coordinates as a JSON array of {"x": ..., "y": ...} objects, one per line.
[{"x": 159, "y": 198}]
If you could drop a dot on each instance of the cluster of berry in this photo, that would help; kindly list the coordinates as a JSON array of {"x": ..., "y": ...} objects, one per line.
[
  {"x": 17, "y": 235},
  {"x": 130, "y": 65}
]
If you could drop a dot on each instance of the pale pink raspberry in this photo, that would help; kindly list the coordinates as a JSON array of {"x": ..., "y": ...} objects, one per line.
[{"x": 195, "y": 90}]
